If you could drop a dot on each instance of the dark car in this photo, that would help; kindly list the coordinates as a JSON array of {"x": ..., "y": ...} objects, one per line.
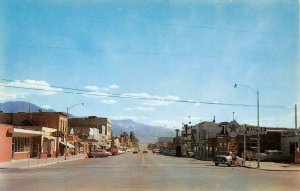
[
  {"x": 135, "y": 151},
  {"x": 145, "y": 151}
]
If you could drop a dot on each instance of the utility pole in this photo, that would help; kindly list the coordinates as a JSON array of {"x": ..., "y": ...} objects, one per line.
[{"x": 258, "y": 135}]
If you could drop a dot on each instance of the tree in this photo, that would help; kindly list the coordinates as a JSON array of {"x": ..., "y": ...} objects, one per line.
[{"x": 132, "y": 135}]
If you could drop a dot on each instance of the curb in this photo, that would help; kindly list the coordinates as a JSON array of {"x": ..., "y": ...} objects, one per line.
[
  {"x": 57, "y": 163},
  {"x": 265, "y": 169},
  {"x": 40, "y": 165}
]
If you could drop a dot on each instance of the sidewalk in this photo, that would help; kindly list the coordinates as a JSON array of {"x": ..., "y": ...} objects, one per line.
[
  {"x": 34, "y": 162},
  {"x": 272, "y": 166}
]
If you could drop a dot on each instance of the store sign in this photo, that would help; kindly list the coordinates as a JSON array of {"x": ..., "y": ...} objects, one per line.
[
  {"x": 58, "y": 134},
  {"x": 289, "y": 133},
  {"x": 233, "y": 129},
  {"x": 255, "y": 130}
]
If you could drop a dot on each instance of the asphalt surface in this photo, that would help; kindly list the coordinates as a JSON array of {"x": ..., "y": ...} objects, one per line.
[{"x": 145, "y": 172}]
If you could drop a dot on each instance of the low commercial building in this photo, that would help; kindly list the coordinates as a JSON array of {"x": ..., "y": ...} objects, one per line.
[
  {"x": 33, "y": 133},
  {"x": 104, "y": 126},
  {"x": 89, "y": 138},
  {"x": 33, "y": 141},
  {"x": 6, "y": 142},
  {"x": 209, "y": 138},
  {"x": 164, "y": 142}
]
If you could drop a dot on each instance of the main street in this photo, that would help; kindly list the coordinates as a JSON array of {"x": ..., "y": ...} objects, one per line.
[{"x": 145, "y": 172}]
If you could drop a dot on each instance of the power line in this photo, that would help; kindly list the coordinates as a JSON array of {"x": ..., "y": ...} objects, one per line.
[
  {"x": 134, "y": 52},
  {"x": 126, "y": 96},
  {"x": 152, "y": 21}
]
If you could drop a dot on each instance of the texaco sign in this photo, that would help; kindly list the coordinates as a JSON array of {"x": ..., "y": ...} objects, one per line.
[{"x": 233, "y": 129}]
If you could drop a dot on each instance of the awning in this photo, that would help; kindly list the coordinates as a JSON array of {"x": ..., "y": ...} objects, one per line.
[
  {"x": 68, "y": 145},
  {"x": 26, "y": 133}
]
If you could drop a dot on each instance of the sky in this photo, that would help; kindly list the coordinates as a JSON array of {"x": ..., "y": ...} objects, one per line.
[{"x": 191, "y": 51}]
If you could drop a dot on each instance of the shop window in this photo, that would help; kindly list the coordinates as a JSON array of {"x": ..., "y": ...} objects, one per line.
[{"x": 22, "y": 144}]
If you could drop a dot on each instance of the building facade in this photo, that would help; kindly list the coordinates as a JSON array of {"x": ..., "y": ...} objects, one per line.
[
  {"x": 6, "y": 142},
  {"x": 104, "y": 126},
  {"x": 33, "y": 133}
]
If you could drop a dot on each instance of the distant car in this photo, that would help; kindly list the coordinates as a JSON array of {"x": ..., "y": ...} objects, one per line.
[
  {"x": 97, "y": 154},
  {"x": 227, "y": 159},
  {"x": 173, "y": 153},
  {"x": 135, "y": 151},
  {"x": 107, "y": 153},
  {"x": 145, "y": 151},
  {"x": 155, "y": 150},
  {"x": 190, "y": 154},
  {"x": 121, "y": 151},
  {"x": 166, "y": 152},
  {"x": 275, "y": 156}
]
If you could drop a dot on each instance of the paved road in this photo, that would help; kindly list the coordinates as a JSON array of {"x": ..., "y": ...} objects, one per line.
[{"x": 145, "y": 172}]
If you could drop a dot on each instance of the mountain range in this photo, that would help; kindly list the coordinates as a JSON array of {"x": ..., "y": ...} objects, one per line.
[{"x": 145, "y": 133}]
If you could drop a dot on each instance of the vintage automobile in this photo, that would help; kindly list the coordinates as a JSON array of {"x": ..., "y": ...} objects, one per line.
[
  {"x": 155, "y": 151},
  {"x": 275, "y": 156},
  {"x": 226, "y": 158},
  {"x": 145, "y": 151},
  {"x": 135, "y": 151},
  {"x": 97, "y": 154}
]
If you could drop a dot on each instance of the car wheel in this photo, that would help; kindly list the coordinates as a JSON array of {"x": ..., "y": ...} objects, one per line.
[
  {"x": 216, "y": 164},
  {"x": 229, "y": 164}
]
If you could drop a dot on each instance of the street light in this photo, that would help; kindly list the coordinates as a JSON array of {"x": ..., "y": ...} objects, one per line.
[
  {"x": 258, "y": 134},
  {"x": 68, "y": 108}
]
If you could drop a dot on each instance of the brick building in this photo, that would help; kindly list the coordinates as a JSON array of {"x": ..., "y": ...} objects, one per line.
[
  {"x": 5, "y": 142},
  {"x": 32, "y": 133}
]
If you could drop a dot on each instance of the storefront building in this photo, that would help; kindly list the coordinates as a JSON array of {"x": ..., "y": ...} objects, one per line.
[{"x": 5, "y": 142}]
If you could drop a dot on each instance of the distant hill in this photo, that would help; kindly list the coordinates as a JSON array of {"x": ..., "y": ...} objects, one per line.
[
  {"x": 20, "y": 106},
  {"x": 145, "y": 133}
]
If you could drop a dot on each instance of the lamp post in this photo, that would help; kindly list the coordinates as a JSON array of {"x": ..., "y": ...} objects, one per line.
[
  {"x": 258, "y": 134},
  {"x": 68, "y": 108}
]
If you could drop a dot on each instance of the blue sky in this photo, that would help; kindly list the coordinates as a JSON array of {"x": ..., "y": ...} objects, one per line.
[{"x": 178, "y": 50}]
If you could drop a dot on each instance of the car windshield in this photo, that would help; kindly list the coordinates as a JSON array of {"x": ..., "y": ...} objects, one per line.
[{"x": 149, "y": 95}]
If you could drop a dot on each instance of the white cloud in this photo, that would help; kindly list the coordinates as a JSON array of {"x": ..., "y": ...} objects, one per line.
[
  {"x": 92, "y": 88},
  {"x": 135, "y": 118},
  {"x": 22, "y": 88},
  {"x": 109, "y": 101},
  {"x": 166, "y": 123},
  {"x": 197, "y": 104},
  {"x": 114, "y": 86},
  {"x": 139, "y": 108},
  {"x": 99, "y": 92},
  {"x": 153, "y": 100},
  {"x": 46, "y": 106}
]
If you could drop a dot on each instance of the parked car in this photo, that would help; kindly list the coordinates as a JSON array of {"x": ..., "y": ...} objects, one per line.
[
  {"x": 166, "y": 152},
  {"x": 155, "y": 150},
  {"x": 190, "y": 154},
  {"x": 275, "y": 156},
  {"x": 97, "y": 154},
  {"x": 114, "y": 151},
  {"x": 121, "y": 151},
  {"x": 135, "y": 151},
  {"x": 145, "y": 151},
  {"x": 173, "y": 153},
  {"x": 226, "y": 158}
]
